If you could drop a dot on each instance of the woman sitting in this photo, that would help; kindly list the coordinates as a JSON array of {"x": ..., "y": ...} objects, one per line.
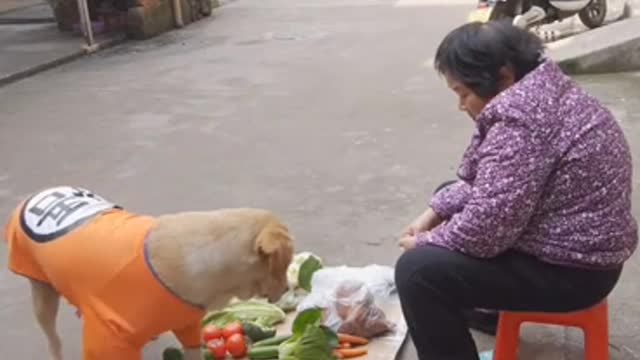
[{"x": 540, "y": 219}]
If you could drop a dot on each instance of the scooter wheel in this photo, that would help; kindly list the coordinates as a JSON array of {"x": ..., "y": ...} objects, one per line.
[{"x": 594, "y": 14}]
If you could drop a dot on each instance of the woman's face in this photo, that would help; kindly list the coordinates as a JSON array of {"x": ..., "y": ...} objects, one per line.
[{"x": 468, "y": 101}]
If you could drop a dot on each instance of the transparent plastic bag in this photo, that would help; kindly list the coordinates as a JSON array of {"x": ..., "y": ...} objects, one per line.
[{"x": 353, "y": 299}]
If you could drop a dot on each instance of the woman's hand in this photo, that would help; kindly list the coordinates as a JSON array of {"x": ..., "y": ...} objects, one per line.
[
  {"x": 425, "y": 222},
  {"x": 407, "y": 242}
]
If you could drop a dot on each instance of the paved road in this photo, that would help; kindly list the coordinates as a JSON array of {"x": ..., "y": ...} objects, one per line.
[{"x": 327, "y": 111}]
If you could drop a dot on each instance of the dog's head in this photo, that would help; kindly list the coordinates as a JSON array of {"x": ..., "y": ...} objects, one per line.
[{"x": 274, "y": 247}]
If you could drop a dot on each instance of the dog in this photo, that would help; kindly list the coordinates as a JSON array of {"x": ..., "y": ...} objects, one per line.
[{"x": 134, "y": 276}]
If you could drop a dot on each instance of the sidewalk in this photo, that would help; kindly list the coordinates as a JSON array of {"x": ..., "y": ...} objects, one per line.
[
  {"x": 11, "y": 5},
  {"x": 26, "y": 49}
]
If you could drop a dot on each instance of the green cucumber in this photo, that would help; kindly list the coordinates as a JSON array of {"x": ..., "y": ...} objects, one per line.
[
  {"x": 263, "y": 352},
  {"x": 256, "y": 332},
  {"x": 276, "y": 340},
  {"x": 172, "y": 353}
]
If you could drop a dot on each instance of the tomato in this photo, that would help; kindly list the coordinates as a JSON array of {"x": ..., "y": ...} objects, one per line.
[
  {"x": 236, "y": 346},
  {"x": 211, "y": 332},
  {"x": 232, "y": 328},
  {"x": 217, "y": 348}
]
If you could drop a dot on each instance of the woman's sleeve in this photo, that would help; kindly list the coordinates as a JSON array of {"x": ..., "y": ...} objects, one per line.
[
  {"x": 451, "y": 199},
  {"x": 512, "y": 169}
]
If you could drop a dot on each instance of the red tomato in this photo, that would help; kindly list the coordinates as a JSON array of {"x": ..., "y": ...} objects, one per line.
[
  {"x": 232, "y": 328},
  {"x": 236, "y": 346},
  {"x": 211, "y": 332},
  {"x": 217, "y": 348}
]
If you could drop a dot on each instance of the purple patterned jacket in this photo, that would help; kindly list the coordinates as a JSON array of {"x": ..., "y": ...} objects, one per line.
[{"x": 548, "y": 172}]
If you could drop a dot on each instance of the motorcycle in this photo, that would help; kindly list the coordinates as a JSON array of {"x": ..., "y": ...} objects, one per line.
[{"x": 529, "y": 13}]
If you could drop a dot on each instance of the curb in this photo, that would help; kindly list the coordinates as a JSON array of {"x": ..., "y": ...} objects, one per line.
[
  {"x": 26, "y": 21},
  {"x": 19, "y": 8},
  {"x": 620, "y": 57},
  {"x": 17, "y": 76},
  {"x": 612, "y": 48}
]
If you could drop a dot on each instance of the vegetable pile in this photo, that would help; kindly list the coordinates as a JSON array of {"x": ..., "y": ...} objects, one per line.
[
  {"x": 240, "y": 323},
  {"x": 247, "y": 328}
]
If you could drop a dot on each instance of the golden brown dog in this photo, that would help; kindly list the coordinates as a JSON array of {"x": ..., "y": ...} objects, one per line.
[{"x": 133, "y": 276}]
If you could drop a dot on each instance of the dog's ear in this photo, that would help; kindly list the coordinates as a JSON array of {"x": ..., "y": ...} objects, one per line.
[{"x": 275, "y": 243}]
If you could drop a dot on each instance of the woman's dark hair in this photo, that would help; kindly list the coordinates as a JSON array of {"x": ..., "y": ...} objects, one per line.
[{"x": 474, "y": 53}]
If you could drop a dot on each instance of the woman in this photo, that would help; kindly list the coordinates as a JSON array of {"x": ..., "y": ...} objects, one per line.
[{"x": 540, "y": 219}]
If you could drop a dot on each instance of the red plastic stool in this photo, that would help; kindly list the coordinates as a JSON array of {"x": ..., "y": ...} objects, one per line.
[{"x": 594, "y": 323}]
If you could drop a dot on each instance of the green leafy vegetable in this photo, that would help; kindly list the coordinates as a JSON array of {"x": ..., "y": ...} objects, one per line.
[
  {"x": 310, "y": 340},
  {"x": 307, "y": 318}
]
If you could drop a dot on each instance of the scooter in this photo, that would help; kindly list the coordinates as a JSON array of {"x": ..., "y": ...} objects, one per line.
[{"x": 529, "y": 13}]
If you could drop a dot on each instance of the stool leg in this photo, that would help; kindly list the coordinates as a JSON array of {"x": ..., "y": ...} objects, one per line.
[
  {"x": 596, "y": 340},
  {"x": 507, "y": 338}
]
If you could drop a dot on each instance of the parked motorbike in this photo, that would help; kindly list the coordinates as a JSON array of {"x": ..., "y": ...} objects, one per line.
[{"x": 529, "y": 13}]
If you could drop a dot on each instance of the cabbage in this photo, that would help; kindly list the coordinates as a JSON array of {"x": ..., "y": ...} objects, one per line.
[
  {"x": 301, "y": 270},
  {"x": 258, "y": 311}
]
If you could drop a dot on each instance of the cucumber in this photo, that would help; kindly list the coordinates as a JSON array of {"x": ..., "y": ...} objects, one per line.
[
  {"x": 172, "y": 353},
  {"x": 263, "y": 352},
  {"x": 276, "y": 340},
  {"x": 256, "y": 332}
]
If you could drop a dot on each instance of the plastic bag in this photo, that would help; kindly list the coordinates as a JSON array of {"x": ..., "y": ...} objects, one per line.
[{"x": 353, "y": 299}]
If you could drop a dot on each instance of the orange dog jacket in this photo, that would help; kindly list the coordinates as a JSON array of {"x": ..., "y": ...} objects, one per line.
[{"x": 93, "y": 253}]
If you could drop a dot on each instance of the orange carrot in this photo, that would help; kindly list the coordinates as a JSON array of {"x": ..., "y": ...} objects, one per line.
[
  {"x": 352, "y": 339},
  {"x": 337, "y": 354},
  {"x": 351, "y": 353},
  {"x": 344, "y": 345}
]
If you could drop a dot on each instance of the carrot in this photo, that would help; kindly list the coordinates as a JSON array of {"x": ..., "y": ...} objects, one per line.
[
  {"x": 352, "y": 339},
  {"x": 344, "y": 345},
  {"x": 337, "y": 354},
  {"x": 351, "y": 353}
]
